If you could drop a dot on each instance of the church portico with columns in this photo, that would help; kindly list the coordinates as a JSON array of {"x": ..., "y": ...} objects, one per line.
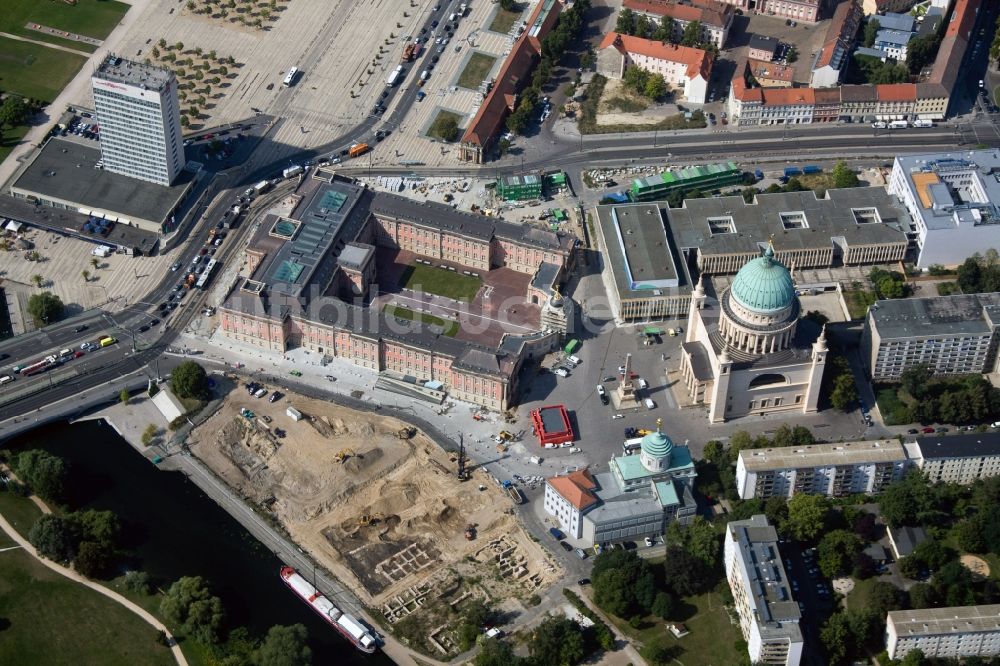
[{"x": 747, "y": 351}]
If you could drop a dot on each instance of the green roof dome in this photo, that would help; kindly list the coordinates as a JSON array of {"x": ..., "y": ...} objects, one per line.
[
  {"x": 764, "y": 284},
  {"x": 657, "y": 445}
]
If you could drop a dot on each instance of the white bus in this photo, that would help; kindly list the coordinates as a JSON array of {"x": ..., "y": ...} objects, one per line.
[{"x": 290, "y": 77}]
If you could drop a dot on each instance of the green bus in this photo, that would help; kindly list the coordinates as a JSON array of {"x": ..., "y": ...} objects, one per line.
[{"x": 571, "y": 346}]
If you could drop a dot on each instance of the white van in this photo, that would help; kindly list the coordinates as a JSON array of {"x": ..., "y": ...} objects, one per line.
[
  {"x": 649, "y": 403},
  {"x": 575, "y": 360},
  {"x": 6, "y": 379},
  {"x": 424, "y": 75},
  {"x": 643, "y": 384}
]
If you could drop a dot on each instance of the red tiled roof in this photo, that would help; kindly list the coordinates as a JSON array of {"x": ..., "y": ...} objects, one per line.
[
  {"x": 963, "y": 18},
  {"x": 827, "y": 96},
  {"x": 741, "y": 90},
  {"x": 706, "y": 12},
  {"x": 789, "y": 96},
  {"x": 511, "y": 79},
  {"x": 896, "y": 92},
  {"x": 846, "y": 20},
  {"x": 764, "y": 69},
  {"x": 576, "y": 488},
  {"x": 697, "y": 61}
]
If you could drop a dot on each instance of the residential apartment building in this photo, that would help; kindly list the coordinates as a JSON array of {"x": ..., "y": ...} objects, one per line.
[
  {"x": 893, "y": 43},
  {"x": 954, "y": 201},
  {"x": 771, "y": 74},
  {"x": 942, "y": 633},
  {"x": 953, "y": 335},
  {"x": 761, "y": 47},
  {"x": 683, "y": 67},
  {"x": 930, "y": 99},
  {"x": 956, "y": 459},
  {"x": 831, "y": 61},
  {"x": 870, "y": 7},
  {"x": 714, "y": 18},
  {"x": 140, "y": 120},
  {"x": 833, "y": 470},
  {"x": 769, "y": 615}
]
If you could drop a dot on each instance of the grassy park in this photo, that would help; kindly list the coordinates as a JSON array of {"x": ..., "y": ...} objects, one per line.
[
  {"x": 440, "y": 282},
  {"x": 93, "y": 18},
  {"x": 35, "y": 71},
  {"x": 504, "y": 20},
  {"x": 442, "y": 121},
  {"x": 19, "y": 511},
  {"x": 449, "y": 328},
  {"x": 476, "y": 70}
]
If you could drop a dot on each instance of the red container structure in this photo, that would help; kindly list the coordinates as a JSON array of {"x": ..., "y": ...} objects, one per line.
[{"x": 551, "y": 425}]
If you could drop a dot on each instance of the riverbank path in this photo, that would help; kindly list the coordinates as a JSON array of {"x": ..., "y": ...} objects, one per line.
[{"x": 72, "y": 575}]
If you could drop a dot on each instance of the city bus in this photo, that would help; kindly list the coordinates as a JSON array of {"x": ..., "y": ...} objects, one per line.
[
  {"x": 571, "y": 346},
  {"x": 206, "y": 274},
  {"x": 290, "y": 77}
]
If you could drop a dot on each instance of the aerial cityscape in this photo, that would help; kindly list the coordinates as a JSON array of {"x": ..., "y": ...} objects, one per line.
[{"x": 500, "y": 332}]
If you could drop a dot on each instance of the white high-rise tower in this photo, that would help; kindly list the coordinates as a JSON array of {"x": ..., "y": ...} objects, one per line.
[{"x": 139, "y": 118}]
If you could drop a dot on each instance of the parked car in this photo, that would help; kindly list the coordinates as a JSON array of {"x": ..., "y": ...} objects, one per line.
[
  {"x": 562, "y": 372},
  {"x": 575, "y": 360},
  {"x": 649, "y": 403},
  {"x": 927, "y": 431},
  {"x": 556, "y": 534}
]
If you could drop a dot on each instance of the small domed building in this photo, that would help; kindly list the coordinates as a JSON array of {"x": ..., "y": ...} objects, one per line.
[
  {"x": 749, "y": 352},
  {"x": 638, "y": 497}
]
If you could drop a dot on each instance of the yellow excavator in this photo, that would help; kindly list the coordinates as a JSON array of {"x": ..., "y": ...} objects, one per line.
[
  {"x": 370, "y": 519},
  {"x": 344, "y": 454}
]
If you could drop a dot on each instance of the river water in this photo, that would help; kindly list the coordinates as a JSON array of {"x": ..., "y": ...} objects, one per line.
[{"x": 175, "y": 530}]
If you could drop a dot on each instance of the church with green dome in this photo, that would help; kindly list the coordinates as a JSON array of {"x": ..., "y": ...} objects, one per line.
[
  {"x": 749, "y": 352},
  {"x": 638, "y": 497}
]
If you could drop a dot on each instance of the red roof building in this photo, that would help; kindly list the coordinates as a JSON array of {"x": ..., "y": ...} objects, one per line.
[
  {"x": 514, "y": 76},
  {"x": 550, "y": 424}
]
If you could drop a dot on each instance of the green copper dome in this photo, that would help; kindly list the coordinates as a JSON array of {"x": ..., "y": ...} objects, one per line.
[
  {"x": 764, "y": 284},
  {"x": 657, "y": 445}
]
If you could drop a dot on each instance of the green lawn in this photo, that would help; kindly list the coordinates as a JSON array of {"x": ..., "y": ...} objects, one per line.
[
  {"x": 860, "y": 596},
  {"x": 441, "y": 282},
  {"x": 450, "y": 328},
  {"x": 19, "y": 511},
  {"x": 476, "y": 70},
  {"x": 10, "y": 139},
  {"x": 56, "y": 621},
  {"x": 436, "y": 131},
  {"x": 36, "y": 71},
  {"x": 858, "y": 302},
  {"x": 891, "y": 405},
  {"x": 712, "y": 639},
  {"x": 504, "y": 20},
  {"x": 93, "y": 18}
]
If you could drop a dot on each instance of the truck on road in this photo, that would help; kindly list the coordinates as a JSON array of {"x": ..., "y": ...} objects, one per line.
[
  {"x": 394, "y": 76},
  {"x": 898, "y": 124},
  {"x": 358, "y": 149},
  {"x": 292, "y": 171},
  {"x": 261, "y": 187}
]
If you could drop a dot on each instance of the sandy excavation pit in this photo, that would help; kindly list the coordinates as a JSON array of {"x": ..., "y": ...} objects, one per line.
[{"x": 384, "y": 521}]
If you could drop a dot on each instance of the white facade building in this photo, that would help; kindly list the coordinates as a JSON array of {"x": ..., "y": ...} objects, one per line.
[
  {"x": 953, "y": 200},
  {"x": 139, "y": 117},
  {"x": 953, "y": 335},
  {"x": 769, "y": 616},
  {"x": 833, "y": 470},
  {"x": 956, "y": 632},
  {"x": 568, "y": 497},
  {"x": 956, "y": 459},
  {"x": 681, "y": 66}
]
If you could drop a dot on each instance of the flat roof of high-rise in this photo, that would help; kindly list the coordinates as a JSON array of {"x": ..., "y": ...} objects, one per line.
[
  {"x": 961, "y": 314},
  {"x": 132, "y": 73},
  {"x": 978, "y": 189},
  {"x": 822, "y": 455},
  {"x": 971, "y": 445},
  {"x": 953, "y": 620}
]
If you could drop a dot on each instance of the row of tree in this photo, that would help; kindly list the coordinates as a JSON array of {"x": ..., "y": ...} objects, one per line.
[
  {"x": 980, "y": 273},
  {"x": 554, "y": 45},
  {"x": 952, "y": 399}
]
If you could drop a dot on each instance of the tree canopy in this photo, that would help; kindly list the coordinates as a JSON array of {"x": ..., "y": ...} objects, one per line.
[
  {"x": 623, "y": 583},
  {"x": 844, "y": 176},
  {"x": 44, "y": 473},
  {"x": 807, "y": 516},
  {"x": 189, "y": 605},
  {"x": 836, "y": 552},
  {"x": 557, "y": 641},
  {"x": 53, "y": 537},
  {"x": 188, "y": 380},
  {"x": 284, "y": 646},
  {"x": 45, "y": 308}
]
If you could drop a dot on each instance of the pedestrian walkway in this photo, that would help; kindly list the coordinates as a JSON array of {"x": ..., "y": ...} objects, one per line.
[
  {"x": 58, "y": 47},
  {"x": 46, "y": 30},
  {"x": 72, "y": 575}
]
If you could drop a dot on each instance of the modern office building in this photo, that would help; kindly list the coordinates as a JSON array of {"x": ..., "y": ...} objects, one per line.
[
  {"x": 954, "y": 200},
  {"x": 643, "y": 275},
  {"x": 140, "y": 121},
  {"x": 748, "y": 351},
  {"x": 942, "y": 633},
  {"x": 954, "y": 335},
  {"x": 833, "y": 470},
  {"x": 956, "y": 459},
  {"x": 769, "y": 615},
  {"x": 638, "y": 497}
]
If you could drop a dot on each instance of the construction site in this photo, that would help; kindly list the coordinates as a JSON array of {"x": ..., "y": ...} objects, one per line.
[{"x": 414, "y": 530}]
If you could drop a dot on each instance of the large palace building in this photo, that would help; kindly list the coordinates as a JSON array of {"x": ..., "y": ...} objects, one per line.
[{"x": 315, "y": 283}]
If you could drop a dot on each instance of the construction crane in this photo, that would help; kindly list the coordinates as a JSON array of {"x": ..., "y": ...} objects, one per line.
[
  {"x": 344, "y": 454},
  {"x": 462, "y": 474}
]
